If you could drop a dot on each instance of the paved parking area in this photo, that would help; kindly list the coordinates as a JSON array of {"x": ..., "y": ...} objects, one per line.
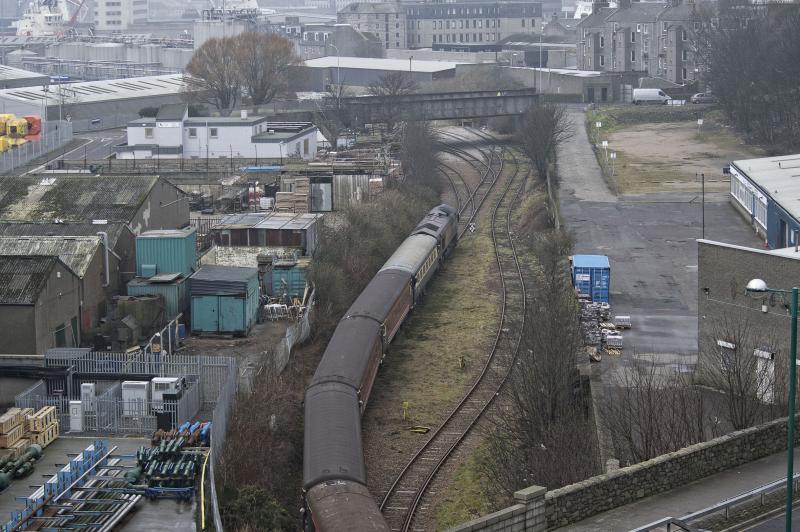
[
  {"x": 651, "y": 243},
  {"x": 147, "y": 515}
]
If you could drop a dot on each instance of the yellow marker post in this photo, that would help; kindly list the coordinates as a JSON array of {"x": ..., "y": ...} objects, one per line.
[
  {"x": 203, "y": 493},
  {"x": 405, "y": 410}
]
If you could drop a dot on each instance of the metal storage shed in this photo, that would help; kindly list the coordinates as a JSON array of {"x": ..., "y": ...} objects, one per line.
[{"x": 225, "y": 299}]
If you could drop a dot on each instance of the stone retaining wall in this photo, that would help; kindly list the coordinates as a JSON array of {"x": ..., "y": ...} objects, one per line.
[{"x": 539, "y": 510}]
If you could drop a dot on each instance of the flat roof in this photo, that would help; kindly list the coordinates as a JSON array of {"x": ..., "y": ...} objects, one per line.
[
  {"x": 371, "y": 63},
  {"x": 779, "y": 177},
  {"x": 278, "y": 220},
  {"x": 569, "y": 72},
  {"x": 99, "y": 91}
]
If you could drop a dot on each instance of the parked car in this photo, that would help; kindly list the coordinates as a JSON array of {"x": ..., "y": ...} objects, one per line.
[
  {"x": 703, "y": 97},
  {"x": 649, "y": 96}
]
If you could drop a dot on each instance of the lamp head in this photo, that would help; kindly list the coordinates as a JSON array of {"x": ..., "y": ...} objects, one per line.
[{"x": 757, "y": 286}]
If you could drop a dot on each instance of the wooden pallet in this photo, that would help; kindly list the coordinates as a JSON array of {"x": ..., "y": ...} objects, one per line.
[
  {"x": 8, "y": 439},
  {"x": 12, "y": 417},
  {"x": 42, "y": 419},
  {"x": 614, "y": 351},
  {"x": 20, "y": 447},
  {"x": 46, "y": 437}
]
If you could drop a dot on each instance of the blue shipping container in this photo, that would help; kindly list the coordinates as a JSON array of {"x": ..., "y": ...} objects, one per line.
[
  {"x": 289, "y": 280},
  {"x": 591, "y": 276},
  {"x": 170, "y": 250}
]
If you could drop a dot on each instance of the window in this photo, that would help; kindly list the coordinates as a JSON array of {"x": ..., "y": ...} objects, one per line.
[
  {"x": 683, "y": 35},
  {"x": 638, "y": 28},
  {"x": 633, "y": 56},
  {"x": 644, "y": 30},
  {"x": 684, "y": 55},
  {"x": 696, "y": 26},
  {"x": 523, "y": 23},
  {"x": 148, "y": 132},
  {"x": 633, "y": 36},
  {"x": 602, "y": 41},
  {"x": 192, "y": 132},
  {"x": 213, "y": 132},
  {"x": 727, "y": 354},
  {"x": 461, "y": 24},
  {"x": 683, "y": 73},
  {"x": 602, "y": 60}
]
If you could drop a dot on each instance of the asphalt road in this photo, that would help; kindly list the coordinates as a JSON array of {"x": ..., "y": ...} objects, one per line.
[
  {"x": 100, "y": 144},
  {"x": 650, "y": 242}
]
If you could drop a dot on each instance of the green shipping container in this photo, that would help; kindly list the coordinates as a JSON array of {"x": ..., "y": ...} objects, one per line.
[
  {"x": 175, "y": 294},
  {"x": 169, "y": 250},
  {"x": 290, "y": 281},
  {"x": 224, "y": 299}
]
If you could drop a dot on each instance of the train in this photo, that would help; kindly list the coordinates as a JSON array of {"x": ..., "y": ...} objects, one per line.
[{"x": 334, "y": 476}]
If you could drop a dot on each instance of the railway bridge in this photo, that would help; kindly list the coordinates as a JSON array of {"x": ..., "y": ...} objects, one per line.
[{"x": 440, "y": 106}]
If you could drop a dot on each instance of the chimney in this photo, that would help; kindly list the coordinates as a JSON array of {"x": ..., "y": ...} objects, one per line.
[
  {"x": 244, "y": 114},
  {"x": 597, "y": 5}
]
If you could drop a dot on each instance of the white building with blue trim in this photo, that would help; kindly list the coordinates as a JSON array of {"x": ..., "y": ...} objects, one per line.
[{"x": 767, "y": 192}]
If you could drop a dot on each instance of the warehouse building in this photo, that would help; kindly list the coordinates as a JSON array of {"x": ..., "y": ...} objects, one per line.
[
  {"x": 119, "y": 206},
  {"x": 39, "y": 305},
  {"x": 85, "y": 256},
  {"x": 95, "y": 104},
  {"x": 361, "y": 71},
  {"x": 12, "y": 78},
  {"x": 172, "y": 134},
  {"x": 767, "y": 192},
  {"x": 732, "y": 324}
]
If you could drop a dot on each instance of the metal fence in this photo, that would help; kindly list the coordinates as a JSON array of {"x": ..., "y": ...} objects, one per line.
[
  {"x": 219, "y": 427},
  {"x": 55, "y": 135},
  {"x": 110, "y": 413}
]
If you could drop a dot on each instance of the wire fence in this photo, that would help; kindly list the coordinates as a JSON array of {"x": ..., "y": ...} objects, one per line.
[
  {"x": 54, "y": 135},
  {"x": 296, "y": 333}
]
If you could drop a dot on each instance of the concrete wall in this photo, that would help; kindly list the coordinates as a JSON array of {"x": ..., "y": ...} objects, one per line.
[
  {"x": 19, "y": 319},
  {"x": 539, "y": 511},
  {"x": 723, "y": 273},
  {"x": 94, "y": 295},
  {"x": 166, "y": 207},
  {"x": 57, "y": 306}
]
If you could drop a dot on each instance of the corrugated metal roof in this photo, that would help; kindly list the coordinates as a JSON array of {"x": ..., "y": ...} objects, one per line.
[
  {"x": 278, "y": 220},
  {"x": 777, "y": 177},
  {"x": 99, "y": 91},
  {"x": 224, "y": 273},
  {"x": 73, "y": 199},
  {"x": 23, "y": 278},
  {"x": 114, "y": 230},
  {"x": 9, "y": 73},
  {"x": 221, "y": 280},
  {"x": 75, "y": 252}
]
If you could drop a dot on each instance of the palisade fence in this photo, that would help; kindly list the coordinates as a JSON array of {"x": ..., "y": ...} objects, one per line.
[{"x": 55, "y": 134}]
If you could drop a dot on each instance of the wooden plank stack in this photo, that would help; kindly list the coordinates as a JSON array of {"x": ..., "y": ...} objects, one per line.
[
  {"x": 12, "y": 432},
  {"x": 299, "y": 201},
  {"x": 43, "y": 426}
]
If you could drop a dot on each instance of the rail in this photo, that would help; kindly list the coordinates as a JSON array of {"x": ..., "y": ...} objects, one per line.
[
  {"x": 683, "y": 523},
  {"x": 446, "y": 438}
]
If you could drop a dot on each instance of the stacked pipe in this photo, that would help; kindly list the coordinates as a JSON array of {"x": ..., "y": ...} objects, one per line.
[{"x": 11, "y": 468}]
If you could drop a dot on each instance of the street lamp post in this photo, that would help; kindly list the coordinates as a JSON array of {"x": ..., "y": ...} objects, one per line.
[
  {"x": 409, "y": 64},
  {"x": 541, "y": 35},
  {"x": 338, "y": 79},
  {"x": 758, "y": 286}
]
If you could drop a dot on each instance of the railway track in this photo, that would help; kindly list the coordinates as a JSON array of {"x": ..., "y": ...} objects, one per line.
[
  {"x": 403, "y": 505},
  {"x": 489, "y": 169}
]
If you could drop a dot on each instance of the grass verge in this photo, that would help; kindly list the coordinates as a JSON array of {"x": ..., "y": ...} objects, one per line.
[{"x": 466, "y": 497}]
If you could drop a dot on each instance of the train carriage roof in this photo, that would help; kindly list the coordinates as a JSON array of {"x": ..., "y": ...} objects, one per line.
[
  {"x": 348, "y": 353},
  {"x": 332, "y": 441},
  {"x": 380, "y": 295},
  {"x": 411, "y": 254}
]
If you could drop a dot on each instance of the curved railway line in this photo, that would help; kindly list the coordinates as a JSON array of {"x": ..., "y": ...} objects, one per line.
[{"x": 402, "y": 506}]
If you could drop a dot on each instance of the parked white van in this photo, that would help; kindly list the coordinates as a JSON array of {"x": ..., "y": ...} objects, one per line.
[{"x": 649, "y": 96}]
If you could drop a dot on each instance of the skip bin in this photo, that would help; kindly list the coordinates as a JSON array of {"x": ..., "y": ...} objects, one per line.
[
  {"x": 170, "y": 250},
  {"x": 591, "y": 276}
]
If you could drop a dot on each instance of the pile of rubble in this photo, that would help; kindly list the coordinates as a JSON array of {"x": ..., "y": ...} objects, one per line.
[{"x": 600, "y": 331}]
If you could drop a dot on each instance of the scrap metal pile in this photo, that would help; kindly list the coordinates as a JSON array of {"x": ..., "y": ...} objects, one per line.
[
  {"x": 169, "y": 468},
  {"x": 600, "y": 331}
]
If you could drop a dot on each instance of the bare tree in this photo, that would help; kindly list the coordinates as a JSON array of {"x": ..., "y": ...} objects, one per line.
[
  {"x": 214, "y": 75},
  {"x": 542, "y": 129},
  {"x": 263, "y": 61},
  {"x": 418, "y": 154},
  {"x": 741, "y": 364},
  {"x": 389, "y": 88},
  {"x": 651, "y": 410},
  {"x": 334, "y": 114},
  {"x": 541, "y": 433}
]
